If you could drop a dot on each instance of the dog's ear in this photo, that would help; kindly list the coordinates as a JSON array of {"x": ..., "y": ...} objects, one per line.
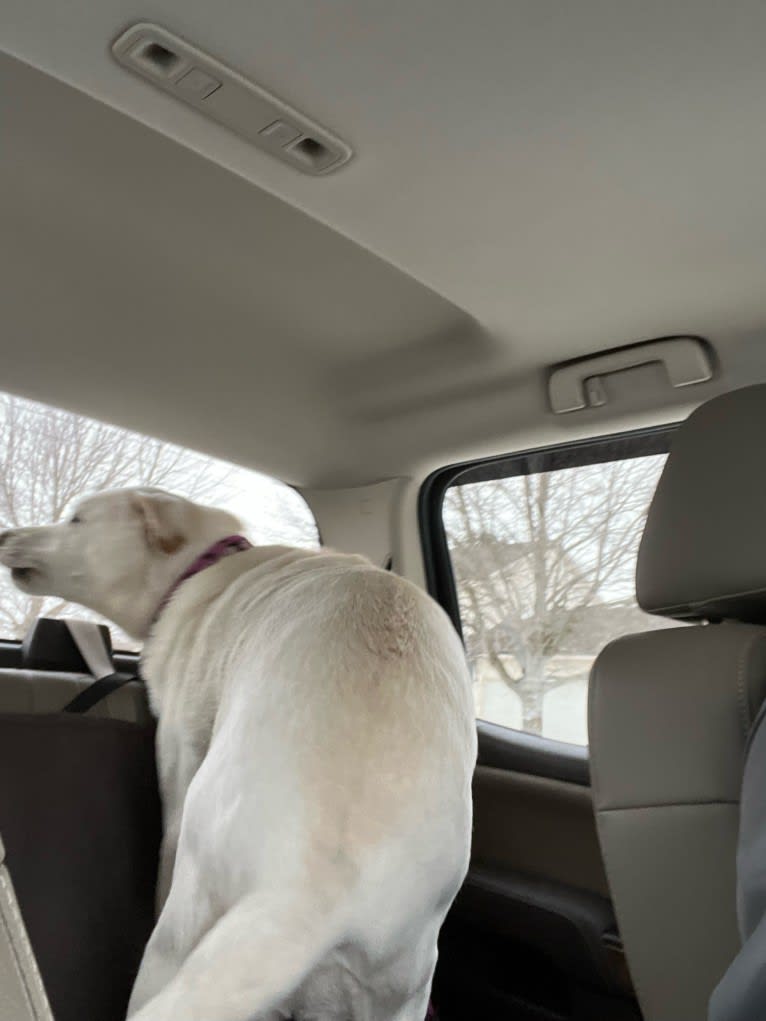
[{"x": 160, "y": 514}]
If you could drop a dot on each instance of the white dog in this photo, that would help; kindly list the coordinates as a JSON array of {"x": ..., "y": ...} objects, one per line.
[{"x": 315, "y": 746}]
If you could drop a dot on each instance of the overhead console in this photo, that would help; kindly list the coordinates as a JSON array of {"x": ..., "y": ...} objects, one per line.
[{"x": 224, "y": 95}]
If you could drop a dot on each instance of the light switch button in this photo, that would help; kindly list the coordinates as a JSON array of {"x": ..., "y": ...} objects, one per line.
[
  {"x": 280, "y": 133},
  {"x": 197, "y": 84}
]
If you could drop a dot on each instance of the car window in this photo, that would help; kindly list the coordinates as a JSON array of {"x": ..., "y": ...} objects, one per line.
[
  {"x": 49, "y": 457},
  {"x": 544, "y": 566}
]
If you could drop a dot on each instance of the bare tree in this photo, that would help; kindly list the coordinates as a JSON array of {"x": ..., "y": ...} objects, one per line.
[
  {"x": 279, "y": 516},
  {"x": 533, "y": 554},
  {"x": 50, "y": 457}
]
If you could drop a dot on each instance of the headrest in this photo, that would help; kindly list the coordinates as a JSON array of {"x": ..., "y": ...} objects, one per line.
[
  {"x": 49, "y": 645},
  {"x": 703, "y": 552}
]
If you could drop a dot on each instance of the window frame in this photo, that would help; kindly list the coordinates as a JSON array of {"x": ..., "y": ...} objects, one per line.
[{"x": 500, "y": 746}]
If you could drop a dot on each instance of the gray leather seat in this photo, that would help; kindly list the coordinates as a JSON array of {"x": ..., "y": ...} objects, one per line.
[{"x": 670, "y": 711}]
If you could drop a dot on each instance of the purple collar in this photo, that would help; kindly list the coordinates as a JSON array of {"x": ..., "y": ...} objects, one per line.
[{"x": 211, "y": 556}]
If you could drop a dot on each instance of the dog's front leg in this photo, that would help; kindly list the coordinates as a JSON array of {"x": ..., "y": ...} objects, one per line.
[
  {"x": 167, "y": 861},
  {"x": 245, "y": 966},
  {"x": 178, "y": 763}
]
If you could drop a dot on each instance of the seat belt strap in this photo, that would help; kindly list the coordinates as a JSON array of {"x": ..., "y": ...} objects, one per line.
[
  {"x": 22, "y": 994},
  {"x": 89, "y": 640}
]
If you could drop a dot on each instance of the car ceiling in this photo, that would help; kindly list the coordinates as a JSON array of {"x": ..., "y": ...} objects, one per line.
[{"x": 532, "y": 182}]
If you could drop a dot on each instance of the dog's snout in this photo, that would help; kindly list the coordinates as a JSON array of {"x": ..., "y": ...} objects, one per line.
[{"x": 7, "y": 536}]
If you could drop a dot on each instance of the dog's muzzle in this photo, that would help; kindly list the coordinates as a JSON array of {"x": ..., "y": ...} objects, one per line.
[{"x": 22, "y": 565}]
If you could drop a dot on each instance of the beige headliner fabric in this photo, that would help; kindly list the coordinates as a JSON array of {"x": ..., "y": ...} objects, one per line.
[{"x": 564, "y": 180}]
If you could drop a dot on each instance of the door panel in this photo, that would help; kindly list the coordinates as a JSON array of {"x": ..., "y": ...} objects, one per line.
[
  {"x": 532, "y": 934},
  {"x": 537, "y": 827}
]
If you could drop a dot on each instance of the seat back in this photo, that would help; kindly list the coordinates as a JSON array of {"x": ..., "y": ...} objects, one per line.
[
  {"x": 669, "y": 716},
  {"x": 80, "y": 818},
  {"x": 670, "y": 712}
]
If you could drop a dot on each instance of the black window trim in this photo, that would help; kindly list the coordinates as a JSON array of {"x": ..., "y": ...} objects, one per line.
[{"x": 500, "y": 746}]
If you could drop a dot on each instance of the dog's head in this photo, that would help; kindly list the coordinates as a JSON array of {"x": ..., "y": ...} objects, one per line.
[{"x": 118, "y": 552}]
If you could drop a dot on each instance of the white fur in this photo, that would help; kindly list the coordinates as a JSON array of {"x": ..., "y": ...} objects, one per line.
[{"x": 315, "y": 748}]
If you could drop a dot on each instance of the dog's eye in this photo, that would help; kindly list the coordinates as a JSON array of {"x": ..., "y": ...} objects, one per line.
[{"x": 76, "y": 520}]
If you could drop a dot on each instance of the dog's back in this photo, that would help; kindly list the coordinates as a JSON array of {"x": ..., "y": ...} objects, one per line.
[{"x": 327, "y": 830}]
